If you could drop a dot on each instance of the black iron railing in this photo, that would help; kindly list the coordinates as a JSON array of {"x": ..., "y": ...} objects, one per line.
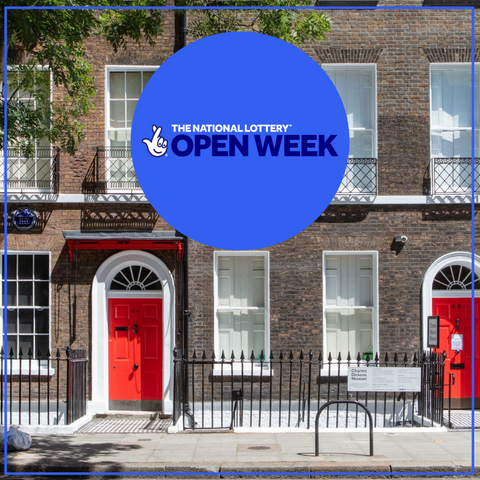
[
  {"x": 44, "y": 389},
  {"x": 360, "y": 177},
  {"x": 38, "y": 172},
  {"x": 288, "y": 390},
  {"x": 452, "y": 176},
  {"x": 111, "y": 172}
]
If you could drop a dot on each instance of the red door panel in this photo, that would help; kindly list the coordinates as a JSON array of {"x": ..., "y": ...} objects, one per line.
[
  {"x": 135, "y": 349},
  {"x": 455, "y": 318}
]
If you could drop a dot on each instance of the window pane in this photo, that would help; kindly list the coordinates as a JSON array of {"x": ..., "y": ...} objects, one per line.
[
  {"x": 134, "y": 84},
  {"x": 241, "y": 330},
  {"x": 11, "y": 345},
  {"x": 117, "y": 85},
  {"x": 41, "y": 267},
  {"x": 11, "y": 321},
  {"x": 117, "y": 114},
  {"x": 41, "y": 294},
  {"x": 131, "y": 105},
  {"x": 11, "y": 267},
  {"x": 41, "y": 320},
  {"x": 41, "y": 344},
  {"x": 25, "y": 321},
  {"x": 361, "y": 144},
  {"x": 349, "y": 331},
  {"x": 11, "y": 293},
  {"x": 25, "y": 342},
  {"x": 146, "y": 77},
  {"x": 25, "y": 266},
  {"x": 25, "y": 294}
]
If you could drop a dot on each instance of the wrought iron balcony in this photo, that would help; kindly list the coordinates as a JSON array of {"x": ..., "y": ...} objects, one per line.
[
  {"x": 38, "y": 173},
  {"x": 453, "y": 176},
  {"x": 360, "y": 177},
  {"x": 111, "y": 172}
]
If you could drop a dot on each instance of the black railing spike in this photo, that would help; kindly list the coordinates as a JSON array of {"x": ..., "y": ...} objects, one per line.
[
  {"x": 339, "y": 358},
  {"x": 262, "y": 356},
  {"x": 194, "y": 354},
  {"x": 213, "y": 356},
  {"x": 349, "y": 358},
  {"x": 1, "y": 351},
  {"x": 330, "y": 357},
  {"x": 320, "y": 356},
  {"x": 415, "y": 357},
  {"x": 39, "y": 354},
  {"x": 377, "y": 358},
  {"x": 67, "y": 351},
  {"x": 29, "y": 354},
  {"x": 252, "y": 356},
  {"x": 424, "y": 356},
  {"x": 310, "y": 355},
  {"x": 48, "y": 354},
  {"x": 175, "y": 352},
  {"x": 11, "y": 352},
  {"x": 301, "y": 355},
  {"x": 271, "y": 355},
  {"x": 204, "y": 355},
  {"x": 280, "y": 357},
  {"x": 58, "y": 353},
  {"x": 386, "y": 358},
  {"x": 395, "y": 358},
  {"x": 242, "y": 356},
  {"x": 405, "y": 358},
  {"x": 232, "y": 356},
  {"x": 20, "y": 353},
  {"x": 290, "y": 355},
  {"x": 359, "y": 357}
]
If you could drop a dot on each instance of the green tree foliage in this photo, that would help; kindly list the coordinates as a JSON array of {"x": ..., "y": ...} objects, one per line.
[
  {"x": 296, "y": 26},
  {"x": 54, "y": 41}
]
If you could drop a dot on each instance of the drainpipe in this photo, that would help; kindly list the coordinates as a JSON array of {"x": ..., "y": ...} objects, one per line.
[{"x": 186, "y": 320}]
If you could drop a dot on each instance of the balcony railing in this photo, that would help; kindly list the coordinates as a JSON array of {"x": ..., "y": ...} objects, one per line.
[
  {"x": 360, "y": 177},
  {"x": 36, "y": 173},
  {"x": 453, "y": 176},
  {"x": 111, "y": 172}
]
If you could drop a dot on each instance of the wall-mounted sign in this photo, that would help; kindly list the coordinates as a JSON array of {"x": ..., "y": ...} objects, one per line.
[
  {"x": 384, "y": 379},
  {"x": 457, "y": 342},
  {"x": 24, "y": 218},
  {"x": 433, "y": 332}
]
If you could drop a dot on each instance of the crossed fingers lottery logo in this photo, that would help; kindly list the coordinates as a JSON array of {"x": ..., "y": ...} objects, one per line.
[
  {"x": 240, "y": 141},
  {"x": 157, "y": 146}
]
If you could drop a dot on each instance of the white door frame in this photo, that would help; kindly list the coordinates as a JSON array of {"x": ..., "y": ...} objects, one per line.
[
  {"x": 104, "y": 275},
  {"x": 453, "y": 258}
]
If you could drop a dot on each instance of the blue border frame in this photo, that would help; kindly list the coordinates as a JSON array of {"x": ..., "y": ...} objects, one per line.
[{"x": 472, "y": 11}]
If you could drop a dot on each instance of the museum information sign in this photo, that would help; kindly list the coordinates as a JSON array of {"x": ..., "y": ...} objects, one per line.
[{"x": 384, "y": 379}]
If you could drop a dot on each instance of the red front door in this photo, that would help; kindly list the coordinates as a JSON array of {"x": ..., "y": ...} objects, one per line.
[
  {"x": 456, "y": 326},
  {"x": 135, "y": 353}
]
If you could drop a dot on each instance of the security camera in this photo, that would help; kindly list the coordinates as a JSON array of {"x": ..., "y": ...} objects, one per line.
[{"x": 401, "y": 239}]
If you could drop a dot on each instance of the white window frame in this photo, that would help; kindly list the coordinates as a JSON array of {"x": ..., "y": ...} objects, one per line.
[
  {"x": 374, "y": 307},
  {"x": 25, "y": 363},
  {"x": 227, "y": 370},
  {"x": 108, "y": 70},
  {"x": 13, "y": 68},
  {"x": 451, "y": 66},
  {"x": 358, "y": 67}
]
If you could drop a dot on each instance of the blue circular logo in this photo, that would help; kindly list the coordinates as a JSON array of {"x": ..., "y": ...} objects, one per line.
[{"x": 240, "y": 141}]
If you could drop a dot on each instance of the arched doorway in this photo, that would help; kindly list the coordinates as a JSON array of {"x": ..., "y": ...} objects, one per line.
[
  {"x": 135, "y": 298},
  {"x": 450, "y": 281},
  {"x": 133, "y": 324}
]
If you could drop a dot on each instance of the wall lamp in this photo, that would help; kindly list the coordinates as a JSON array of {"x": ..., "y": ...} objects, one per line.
[{"x": 400, "y": 239}]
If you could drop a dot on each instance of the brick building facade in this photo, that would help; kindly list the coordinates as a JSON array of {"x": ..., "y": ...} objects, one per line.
[{"x": 347, "y": 283}]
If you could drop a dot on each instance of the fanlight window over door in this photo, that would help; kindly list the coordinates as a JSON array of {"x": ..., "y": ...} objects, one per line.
[
  {"x": 136, "y": 277},
  {"x": 455, "y": 277}
]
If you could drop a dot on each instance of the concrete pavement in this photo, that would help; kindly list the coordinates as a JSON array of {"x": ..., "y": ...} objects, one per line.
[{"x": 409, "y": 450}]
